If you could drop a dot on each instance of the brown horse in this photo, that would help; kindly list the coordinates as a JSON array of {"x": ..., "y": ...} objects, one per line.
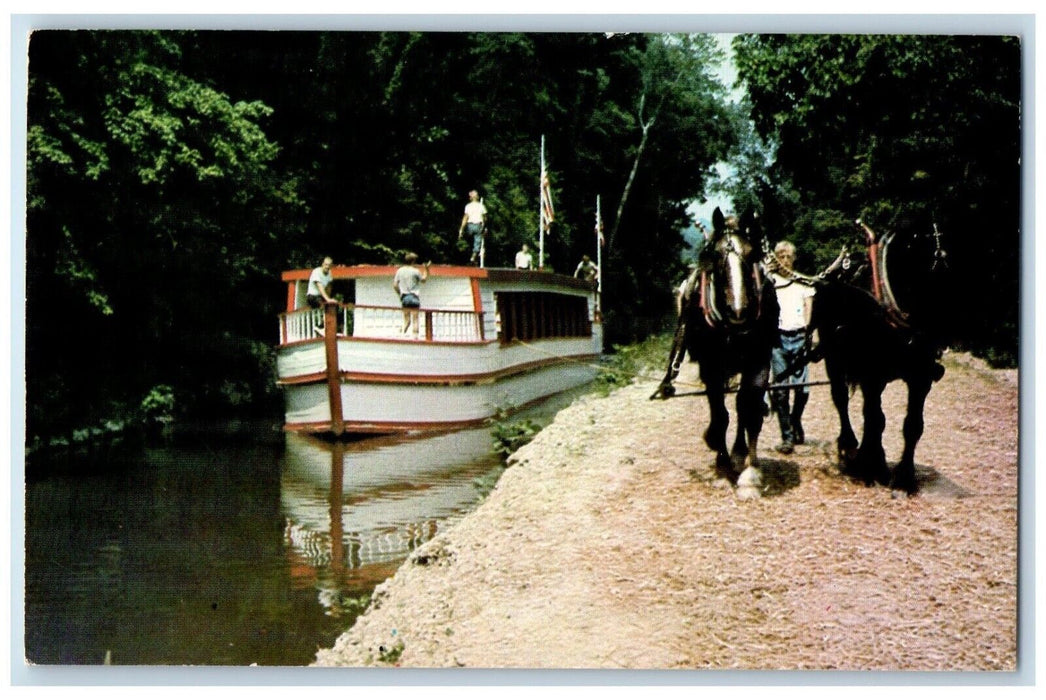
[
  {"x": 869, "y": 338},
  {"x": 728, "y": 324}
]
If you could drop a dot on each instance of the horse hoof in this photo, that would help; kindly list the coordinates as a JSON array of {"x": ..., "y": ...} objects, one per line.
[
  {"x": 749, "y": 485},
  {"x": 667, "y": 391},
  {"x": 903, "y": 484},
  {"x": 746, "y": 493}
]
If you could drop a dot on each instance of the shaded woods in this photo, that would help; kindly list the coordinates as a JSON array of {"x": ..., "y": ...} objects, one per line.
[{"x": 173, "y": 175}]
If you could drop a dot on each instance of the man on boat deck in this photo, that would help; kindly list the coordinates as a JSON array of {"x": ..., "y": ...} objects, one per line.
[
  {"x": 475, "y": 221},
  {"x": 586, "y": 269},
  {"x": 319, "y": 291},
  {"x": 320, "y": 285},
  {"x": 524, "y": 260},
  {"x": 407, "y": 284}
]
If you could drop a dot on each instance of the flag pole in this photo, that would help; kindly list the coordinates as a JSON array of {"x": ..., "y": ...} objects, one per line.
[
  {"x": 599, "y": 256},
  {"x": 541, "y": 209}
]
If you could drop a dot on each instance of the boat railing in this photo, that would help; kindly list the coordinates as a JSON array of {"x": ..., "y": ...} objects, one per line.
[{"x": 362, "y": 321}]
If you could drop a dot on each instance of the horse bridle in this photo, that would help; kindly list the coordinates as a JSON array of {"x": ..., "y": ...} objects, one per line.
[{"x": 712, "y": 315}]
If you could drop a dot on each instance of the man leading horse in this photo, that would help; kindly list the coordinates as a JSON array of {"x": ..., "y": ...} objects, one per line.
[{"x": 795, "y": 299}]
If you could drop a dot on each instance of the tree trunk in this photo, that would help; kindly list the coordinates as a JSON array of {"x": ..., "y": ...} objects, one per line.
[{"x": 628, "y": 183}]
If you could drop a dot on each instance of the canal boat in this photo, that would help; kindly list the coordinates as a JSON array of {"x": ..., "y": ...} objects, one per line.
[{"x": 488, "y": 341}]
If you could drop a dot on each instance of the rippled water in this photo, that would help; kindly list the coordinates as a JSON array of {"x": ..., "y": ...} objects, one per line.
[{"x": 223, "y": 551}]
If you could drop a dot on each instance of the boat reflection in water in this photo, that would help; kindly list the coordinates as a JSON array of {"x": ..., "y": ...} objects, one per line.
[{"x": 355, "y": 510}]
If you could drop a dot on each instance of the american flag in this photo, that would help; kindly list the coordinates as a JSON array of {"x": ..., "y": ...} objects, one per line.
[
  {"x": 548, "y": 213},
  {"x": 599, "y": 226}
]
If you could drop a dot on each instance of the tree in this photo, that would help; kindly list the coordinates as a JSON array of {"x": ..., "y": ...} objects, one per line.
[
  {"x": 900, "y": 128},
  {"x": 141, "y": 180},
  {"x": 673, "y": 67},
  {"x": 173, "y": 175}
]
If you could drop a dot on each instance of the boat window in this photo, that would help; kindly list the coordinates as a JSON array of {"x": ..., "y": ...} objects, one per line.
[
  {"x": 344, "y": 291},
  {"x": 535, "y": 315}
]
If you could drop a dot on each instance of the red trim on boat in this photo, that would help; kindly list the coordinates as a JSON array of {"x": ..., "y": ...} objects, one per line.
[
  {"x": 347, "y": 272},
  {"x": 380, "y": 428},
  {"x": 494, "y": 274},
  {"x": 292, "y": 297},
  {"x": 387, "y": 427},
  {"x": 482, "y": 378},
  {"x": 397, "y": 341},
  {"x": 477, "y": 304}
]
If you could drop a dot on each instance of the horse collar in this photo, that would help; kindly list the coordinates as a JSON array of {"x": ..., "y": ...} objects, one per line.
[{"x": 877, "y": 252}]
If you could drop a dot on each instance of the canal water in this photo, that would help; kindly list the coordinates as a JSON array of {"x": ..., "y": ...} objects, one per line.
[{"x": 233, "y": 547}]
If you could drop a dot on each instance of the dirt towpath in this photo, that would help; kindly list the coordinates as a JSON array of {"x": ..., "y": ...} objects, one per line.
[{"x": 609, "y": 543}]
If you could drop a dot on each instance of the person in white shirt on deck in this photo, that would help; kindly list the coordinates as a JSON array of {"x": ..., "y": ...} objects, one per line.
[
  {"x": 475, "y": 222},
  {"x": 586, "y": 270},
  {"x": 320, "y": 285},
  {"x": 796, "y": 302},
  {"x": 319, "y": 292},
  {"x": 524, "y": 260}
]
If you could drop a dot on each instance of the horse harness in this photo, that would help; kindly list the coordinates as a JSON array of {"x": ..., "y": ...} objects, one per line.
[
  {"x": 706, "y": 290},
  {"x": 878, "y": 252}
]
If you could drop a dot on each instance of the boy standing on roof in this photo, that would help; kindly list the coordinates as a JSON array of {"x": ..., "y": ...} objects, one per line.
[{"x": 475, "y": 221}]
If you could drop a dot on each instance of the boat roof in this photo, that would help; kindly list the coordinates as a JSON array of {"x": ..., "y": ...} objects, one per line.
[{"x": 494, "y": 274}]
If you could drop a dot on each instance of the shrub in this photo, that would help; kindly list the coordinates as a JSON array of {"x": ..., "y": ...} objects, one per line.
[{"x": 510, "y": 436}]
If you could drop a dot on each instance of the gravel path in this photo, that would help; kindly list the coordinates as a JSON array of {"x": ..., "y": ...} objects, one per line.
[{"x": 609, "y": 543}]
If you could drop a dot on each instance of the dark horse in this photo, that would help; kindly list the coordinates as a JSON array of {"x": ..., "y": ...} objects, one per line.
[
  {"x": 728, "y": 324},
  {"x": 870, "y": 338}
]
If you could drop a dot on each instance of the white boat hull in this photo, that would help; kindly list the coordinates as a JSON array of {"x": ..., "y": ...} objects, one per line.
[{"x": 390, "y": 406}]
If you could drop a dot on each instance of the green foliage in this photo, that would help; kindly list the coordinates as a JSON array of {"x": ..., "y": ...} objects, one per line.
[
  {"x": 391, "y": 654},
  {"x": 351, "y": 605},
  {"x": 631, "y": 361},
  {"x": 158, "y": 404},
  {"x": 172, "y": 175},
  {"x": 485, "y": 483},
  {"x": 509, "y": 436},
  {"x": 897, "y": 130},
  {"x": 153, "y": 214}
]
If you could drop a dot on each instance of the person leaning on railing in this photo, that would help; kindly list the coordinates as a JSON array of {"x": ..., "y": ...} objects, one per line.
[
  {"x": 319, "y": 289},
  {"x": 320, "y": 285}
]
